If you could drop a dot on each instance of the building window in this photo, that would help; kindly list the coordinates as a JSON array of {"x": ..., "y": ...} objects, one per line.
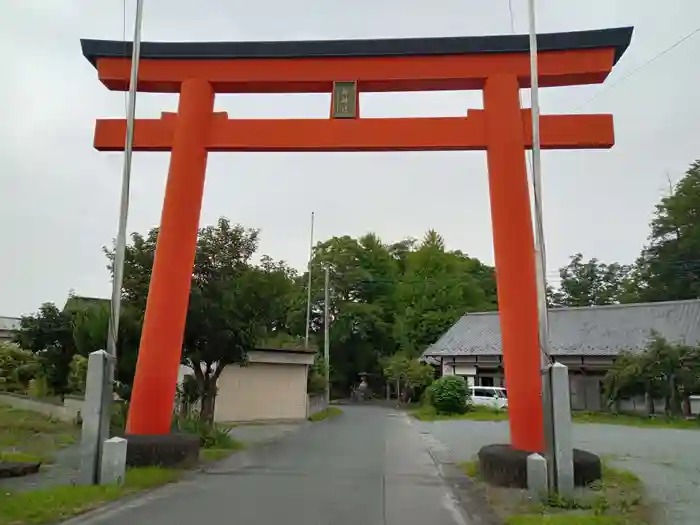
[{"x": 486, "y": 381}]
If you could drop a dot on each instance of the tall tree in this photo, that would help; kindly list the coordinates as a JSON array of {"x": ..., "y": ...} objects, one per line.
[
  {"x": 233, "y": 305},
  {"x": 669, "y": 267},
  {"x": 589, "y": 283},
  {"x": 435, "y": 290},
  {"x": 391, "y": 297},
  {"x": 49, "y": 334}
]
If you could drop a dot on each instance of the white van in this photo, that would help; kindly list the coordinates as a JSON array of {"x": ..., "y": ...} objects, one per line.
[{"x": 490, "y": 396}]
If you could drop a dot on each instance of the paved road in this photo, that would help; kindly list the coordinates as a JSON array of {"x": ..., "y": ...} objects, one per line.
[
  {"x": 369, "y": 466},
  {"x": 666, "y": 459}
]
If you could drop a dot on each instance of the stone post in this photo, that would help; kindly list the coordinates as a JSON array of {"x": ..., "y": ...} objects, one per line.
[
  {"x": 559, "y": 430},
  {"x": 113, "y": 464},
  {"x": 537, "y": 484},
  {"x": 95, "y": 414}
]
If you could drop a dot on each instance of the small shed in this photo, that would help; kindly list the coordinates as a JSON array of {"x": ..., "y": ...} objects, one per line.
[{"x": 271, "y": 386}]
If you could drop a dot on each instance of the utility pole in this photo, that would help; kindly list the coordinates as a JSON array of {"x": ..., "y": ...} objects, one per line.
[
  {"x": 120, "y": 245},
  {"x": 101, "y": 364},
  {"x": 308, "y": 291},
  {"x": 326, "y": 336},
  {"x": 555, "y": 386}
]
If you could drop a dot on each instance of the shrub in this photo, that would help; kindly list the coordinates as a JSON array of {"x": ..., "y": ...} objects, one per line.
[
  {"x": 210, "y": 435},
  {"x": 17, "y": 367},
  {"x": 449, "y": 395},
  {"x": 316, "y": 379},
  {"x": 77, "y": 375}
]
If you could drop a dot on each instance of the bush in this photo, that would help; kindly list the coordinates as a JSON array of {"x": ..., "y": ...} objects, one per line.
[
  {"x": 77, "y": 375},
  {"x": 316, "y": 379},
  {"x": 17, "y": 367},
  {"x": 210, "y": 435},
  {"x": 449, "y": 395}
]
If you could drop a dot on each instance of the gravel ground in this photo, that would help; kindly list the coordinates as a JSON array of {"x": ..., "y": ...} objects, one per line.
[{"x": 667, "y": 460}]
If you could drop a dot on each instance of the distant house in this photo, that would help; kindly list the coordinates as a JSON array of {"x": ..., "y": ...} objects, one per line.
[
  {"x": 8, "y": 327},
  {"x": 586, "y": 339}
]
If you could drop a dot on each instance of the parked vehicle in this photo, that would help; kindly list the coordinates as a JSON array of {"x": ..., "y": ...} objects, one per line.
[{"x": 490, "y": 396}]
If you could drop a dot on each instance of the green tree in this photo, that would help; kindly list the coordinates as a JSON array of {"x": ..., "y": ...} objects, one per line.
[
  {"x": 435, "y": 290},
  {"x": 388, "y": 298},
  {"x": 49, "y": 334},
  {"x": 590, "y": 283},
  {"x": 669, "y": 267},
  {"x": 409, "y": 373},
  {"x": 233, "y": 303},
  {"x": 662, "y": 370}
]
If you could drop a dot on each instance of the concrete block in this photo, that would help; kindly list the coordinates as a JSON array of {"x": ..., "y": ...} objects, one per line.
[
  {"x": 113, "y": 461},
  {"x": 93, "y": 432},
  {"x": 537, "y": 478},
  {"x": 563, "y": 429}
]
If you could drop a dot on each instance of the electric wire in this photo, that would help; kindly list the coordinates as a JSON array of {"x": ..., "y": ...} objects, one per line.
[{"x": 639, "y": 68}]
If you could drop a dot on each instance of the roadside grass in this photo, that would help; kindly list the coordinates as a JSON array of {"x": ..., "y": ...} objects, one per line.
[
  {"x": 327, "y": 413},
  {"x": 220, "y": 451},
  {"x": 34, "y": 434},
  {"x": 56, "y": 504},
  {"x": 19, "y": 457},
  {"x": 607, "y": 418},
  {"x": 481, "y": 413},
  {"x": 29, "y": 436},
  {"x": 474, "y": 413},
  {"x": 618, "y": 499}
]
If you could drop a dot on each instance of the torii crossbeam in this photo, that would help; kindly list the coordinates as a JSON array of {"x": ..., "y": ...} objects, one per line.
[{"x": 498, "y": 65}]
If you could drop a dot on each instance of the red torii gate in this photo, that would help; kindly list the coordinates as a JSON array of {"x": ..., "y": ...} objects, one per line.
[{"x": 498, "y": 65}]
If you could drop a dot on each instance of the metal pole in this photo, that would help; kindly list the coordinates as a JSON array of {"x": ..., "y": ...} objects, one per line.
[
  {"x": 326, "y": 336},
  {"x": 120, "y": 247},
  {"x": 308, "y": 292},
  {"x": 540, "y": 256},
  {"x": 540, "y": 259}
]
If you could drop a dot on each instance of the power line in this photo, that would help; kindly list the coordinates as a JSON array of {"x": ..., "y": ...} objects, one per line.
[
  {"x": 512, "y": 17},
  {"x": 613, "y": 85}
]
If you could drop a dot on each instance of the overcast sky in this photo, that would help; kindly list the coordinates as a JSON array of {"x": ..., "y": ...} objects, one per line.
[{"x": 60, "y": 198}]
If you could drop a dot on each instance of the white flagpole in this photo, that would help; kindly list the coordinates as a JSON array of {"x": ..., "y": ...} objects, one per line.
[
  {"x": 540, "y": 253},
  {"x": 120, "y": 246}
]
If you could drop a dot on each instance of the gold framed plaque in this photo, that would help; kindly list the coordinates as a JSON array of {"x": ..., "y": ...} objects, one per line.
[{"x": 345, "y": 99}]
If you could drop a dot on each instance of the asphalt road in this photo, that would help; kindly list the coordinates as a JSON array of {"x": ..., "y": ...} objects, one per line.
[
  {"x": 369, "y": 466},
  {"x": 667, "y": 460}
]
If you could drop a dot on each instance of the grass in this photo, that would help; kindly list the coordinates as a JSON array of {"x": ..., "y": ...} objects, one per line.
[
  {"x": 327, "y": 413},
  {"x": 475, "y": 413},
  {"x": 217, "y": 453},
  {"x": 39, "y": 436},
  {"x": 634, "y": 420},
  {"x": 618, "y": 499},
  {"x": 59, "y": 503},
  {"x": 19, "y": 457},
  {"x": 481, "y": 413}
]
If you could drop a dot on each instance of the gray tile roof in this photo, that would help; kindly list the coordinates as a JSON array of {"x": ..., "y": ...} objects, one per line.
[{"x": 593, "y": 330}]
